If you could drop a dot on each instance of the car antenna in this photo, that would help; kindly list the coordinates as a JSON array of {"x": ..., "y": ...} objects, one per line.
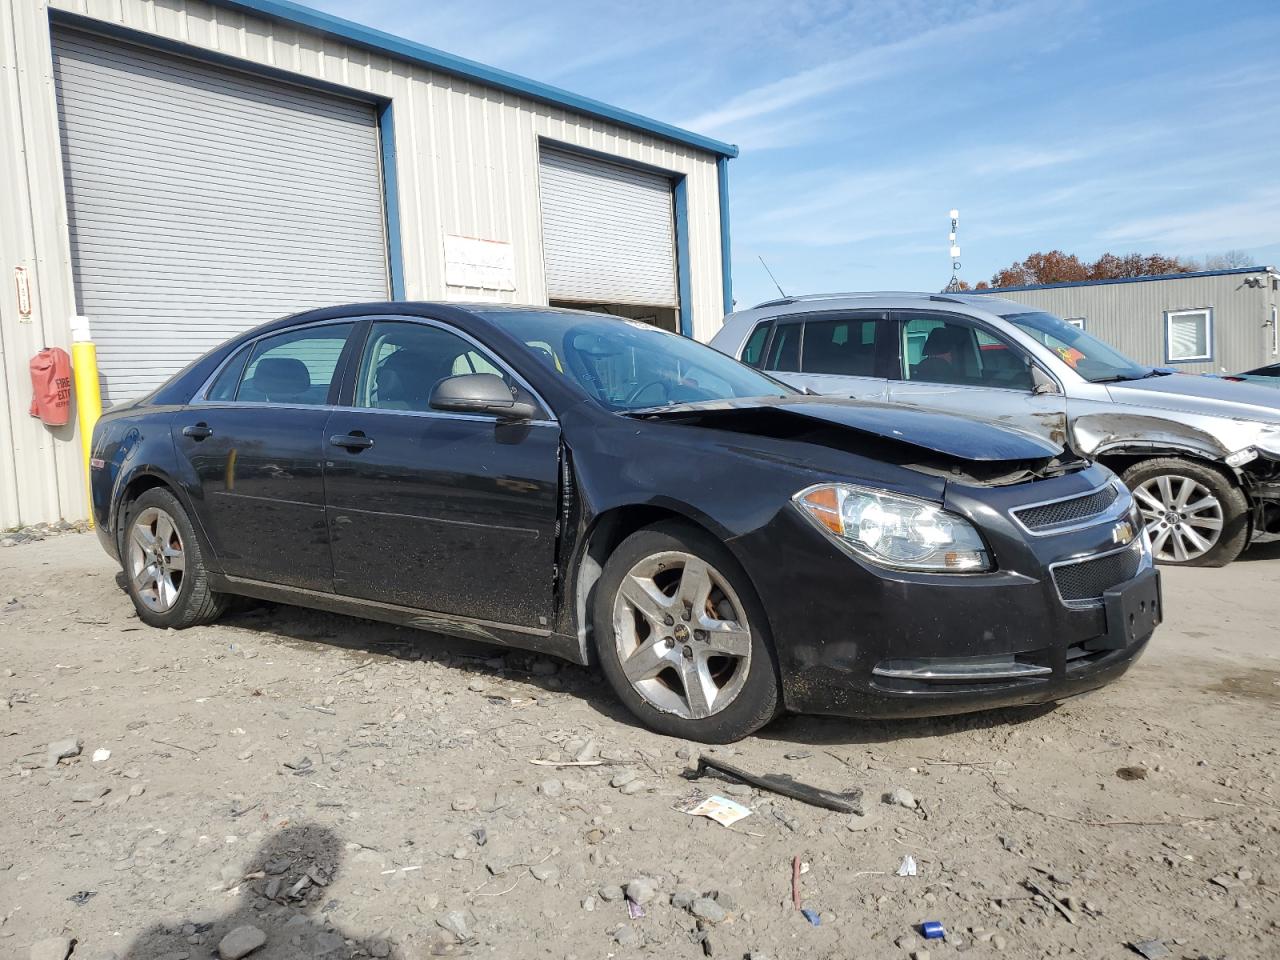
[{"x": 771, "y": 276}]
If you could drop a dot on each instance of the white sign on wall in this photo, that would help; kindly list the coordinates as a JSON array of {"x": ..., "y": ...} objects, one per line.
[{"x": 486, "y": 264}]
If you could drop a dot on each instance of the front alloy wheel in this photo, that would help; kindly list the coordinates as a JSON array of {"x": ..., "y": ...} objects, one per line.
[
  {"x": 682, "y": 635},
  {"x": 1194, "y": 512}
]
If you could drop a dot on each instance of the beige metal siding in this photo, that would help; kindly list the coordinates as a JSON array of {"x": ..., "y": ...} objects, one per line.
[
  {"x": 467, "y": 165},
  {"x": 1130, "y": 316},
  {"x": 40, "y": 468}
]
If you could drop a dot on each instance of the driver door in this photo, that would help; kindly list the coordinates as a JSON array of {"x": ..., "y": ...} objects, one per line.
[
  {"x": 443, "y": 512},
  {"x": 956, "y": 365}
]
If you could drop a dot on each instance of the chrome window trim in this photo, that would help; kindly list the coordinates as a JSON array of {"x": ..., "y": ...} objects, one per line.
[
  {"x": 480, "y": 347},
  {"x": 201, "y": 396},
  {"x": 1118, "y": 509},
  {"x": 1139, "y": 542},
  {"x": 446, "y": 415}
]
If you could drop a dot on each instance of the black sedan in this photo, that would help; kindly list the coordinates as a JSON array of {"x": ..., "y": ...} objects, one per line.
[{"x": 602, "y": 491}]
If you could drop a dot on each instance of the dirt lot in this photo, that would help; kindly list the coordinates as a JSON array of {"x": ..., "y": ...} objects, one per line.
[{"x": 351, "y": 789}]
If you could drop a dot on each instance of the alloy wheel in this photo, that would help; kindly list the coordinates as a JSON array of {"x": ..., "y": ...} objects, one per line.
[
  {"x": 682, "y": 635},
  {"x": 1184, "y": 517},
  {"x": 157, "y": 561}
]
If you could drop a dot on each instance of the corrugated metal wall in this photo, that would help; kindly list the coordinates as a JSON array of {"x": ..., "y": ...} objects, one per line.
[
  {"x": 41, "y": 477},
  {"x": 467, "y": 165},
  {"x": 1130, "y": 316}
]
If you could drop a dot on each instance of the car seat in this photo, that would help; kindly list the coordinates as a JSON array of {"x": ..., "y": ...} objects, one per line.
[
  {"x": 405, "y": 379},
  {"x": 945, "y": 356},
  {"x": 277, "y": 380}
]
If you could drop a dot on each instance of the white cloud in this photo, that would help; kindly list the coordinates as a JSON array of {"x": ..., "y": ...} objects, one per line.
[
  {"x": 1249, "y": 221},
  {"x": 863, "y": 67}
]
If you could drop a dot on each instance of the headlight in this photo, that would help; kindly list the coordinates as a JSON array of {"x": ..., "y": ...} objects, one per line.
[{"x": 895, "y": 531}]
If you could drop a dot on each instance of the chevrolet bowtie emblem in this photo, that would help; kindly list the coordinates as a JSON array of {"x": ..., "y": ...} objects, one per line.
[{"x": 1122, "y": 532}]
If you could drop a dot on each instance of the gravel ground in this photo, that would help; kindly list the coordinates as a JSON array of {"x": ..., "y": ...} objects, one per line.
[{"x": 329, "y": 787}]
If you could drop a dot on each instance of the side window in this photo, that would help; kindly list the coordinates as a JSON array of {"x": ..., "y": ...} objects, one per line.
[
  {"x": 784, "y": 349},
  {"x": 473, "y": 362},
  {"x": 937, "y": 350},
  {"x": 1188, "y": 335},
  {"x": 224, "y": 388},
  {"x": 844, "y": 346},
  {"x": 755, "y": 344},
  {"x": 403, "y": 362},
  {"x": 295, "y": 367}
]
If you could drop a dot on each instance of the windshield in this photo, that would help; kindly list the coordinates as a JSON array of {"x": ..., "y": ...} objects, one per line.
[
  {"x": 630, "y": 365},
  {"x": 1088, "y": 356}
]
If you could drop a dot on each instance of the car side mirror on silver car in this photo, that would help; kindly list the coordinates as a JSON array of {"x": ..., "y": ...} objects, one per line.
[
  {"x": 1042, "y": 384},
  {"x": 481, "y": 393}
]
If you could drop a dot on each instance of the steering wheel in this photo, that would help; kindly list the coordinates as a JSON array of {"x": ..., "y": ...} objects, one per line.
[{"x": 666, "y": 391}]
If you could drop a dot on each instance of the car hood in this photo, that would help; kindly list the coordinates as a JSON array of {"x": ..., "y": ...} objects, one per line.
[
  {"x": 959, "y": 437},
  {"x": 1208, "y": 396}
]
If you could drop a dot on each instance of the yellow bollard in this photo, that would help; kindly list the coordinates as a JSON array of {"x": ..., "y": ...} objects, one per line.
[{"x": 84, "y": 364}]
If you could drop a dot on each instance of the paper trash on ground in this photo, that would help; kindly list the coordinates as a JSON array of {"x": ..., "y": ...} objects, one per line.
[{"x": 720, "y": 809}]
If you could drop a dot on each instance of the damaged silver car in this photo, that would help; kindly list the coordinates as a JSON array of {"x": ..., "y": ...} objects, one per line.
[{"x": 1201, "y": 455}]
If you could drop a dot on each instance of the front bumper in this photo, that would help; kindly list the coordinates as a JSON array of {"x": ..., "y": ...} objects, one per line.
[{"x": 857, "y": 640}]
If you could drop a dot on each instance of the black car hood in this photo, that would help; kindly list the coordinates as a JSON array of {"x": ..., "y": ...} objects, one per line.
[{"x": 962, "y": 438}]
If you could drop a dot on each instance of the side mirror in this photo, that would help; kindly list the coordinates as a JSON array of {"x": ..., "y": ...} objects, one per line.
[
  {"x": 1041, "y": 383},
  {"x": 483, "y": 393}
]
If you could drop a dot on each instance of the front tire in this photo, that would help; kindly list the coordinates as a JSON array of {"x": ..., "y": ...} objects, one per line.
[
  {"x": 682, "y": 637},
  {"x": 164, "y": 566},
  {"x": 1196, "y": 516}
]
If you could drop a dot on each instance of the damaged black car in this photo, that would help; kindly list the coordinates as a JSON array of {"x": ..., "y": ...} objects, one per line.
[{"x": 723, "y": 547}]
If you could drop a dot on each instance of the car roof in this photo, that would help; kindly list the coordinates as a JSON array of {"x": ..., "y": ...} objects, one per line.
[{"x": 906, "y": 298}]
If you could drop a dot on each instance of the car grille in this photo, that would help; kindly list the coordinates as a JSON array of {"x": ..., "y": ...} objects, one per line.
[
  {"x": 1085, "y": 581},
  {"x": 1046, "y": 516}
]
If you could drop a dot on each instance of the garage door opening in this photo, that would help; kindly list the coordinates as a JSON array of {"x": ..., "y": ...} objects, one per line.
[
  {"x": 609, "y": 238},
  {"x": 668, "y": 318}
]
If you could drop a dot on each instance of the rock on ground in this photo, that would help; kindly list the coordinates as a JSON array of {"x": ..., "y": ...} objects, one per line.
[{"x": 240, "y": 942}]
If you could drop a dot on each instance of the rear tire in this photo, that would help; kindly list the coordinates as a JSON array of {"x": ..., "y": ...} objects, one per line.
[
  {"x": 164, "y": 565},
  {"x": 1196, "y": 516},
  {"x": 683, "y": 638}
]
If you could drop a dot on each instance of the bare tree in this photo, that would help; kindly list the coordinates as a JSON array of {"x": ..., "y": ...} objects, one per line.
[{"x": 1228, "y": 260}]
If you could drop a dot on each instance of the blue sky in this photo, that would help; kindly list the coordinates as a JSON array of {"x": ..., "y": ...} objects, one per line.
[{"x": 1086, "y": 126}]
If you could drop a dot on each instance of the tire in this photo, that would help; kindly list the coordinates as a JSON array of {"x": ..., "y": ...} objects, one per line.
[
  {"x": 651, "y": 645},
  {"x": 164, "y": 568},
  {"x": 1211, "y": 535}
]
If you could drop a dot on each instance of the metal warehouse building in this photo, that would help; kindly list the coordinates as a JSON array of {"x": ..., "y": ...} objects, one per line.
[
  {"x": 1209, "y": 322},
  {"x": 177, "y": 171}
]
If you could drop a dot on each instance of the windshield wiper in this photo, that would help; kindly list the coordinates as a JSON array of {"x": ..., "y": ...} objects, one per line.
[{"x": 1122, "y": 377}]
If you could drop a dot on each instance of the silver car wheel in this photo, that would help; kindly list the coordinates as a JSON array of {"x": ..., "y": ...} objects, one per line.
[
  {"x": 1183, "y": 515},
  {"x": 682, "y": 635},
  {"x": 157, "y": 561}
]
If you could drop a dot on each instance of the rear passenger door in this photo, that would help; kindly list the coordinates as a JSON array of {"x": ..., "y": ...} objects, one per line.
[
  {"x": 849, "y": 353},
  {"x": 254, "y": 442}
]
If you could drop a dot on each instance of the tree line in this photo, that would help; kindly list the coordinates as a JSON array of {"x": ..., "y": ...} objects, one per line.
[{"x": 1058, "y": 267}]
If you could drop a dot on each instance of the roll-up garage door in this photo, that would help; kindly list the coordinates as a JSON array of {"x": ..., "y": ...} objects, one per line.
[
  {"x": 203, "y": 201},
  {"x": 608, "y": 231}
]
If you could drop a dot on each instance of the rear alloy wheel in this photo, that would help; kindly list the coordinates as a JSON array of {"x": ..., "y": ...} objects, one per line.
[
  {"x": 1194, "y": 514},
  {"x": 164, "y": 564},
  {"x": 157, "y": 560},
  {"x": 684, "y": 640}
]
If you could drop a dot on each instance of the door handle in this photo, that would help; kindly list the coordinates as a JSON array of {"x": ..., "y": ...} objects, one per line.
[
  {"x": 352, "y": 441},
  {"x": 198, "y": 432}
]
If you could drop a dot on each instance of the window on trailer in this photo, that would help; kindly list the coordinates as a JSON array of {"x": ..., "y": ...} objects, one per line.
[{"x": 1188, "y": 335}]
